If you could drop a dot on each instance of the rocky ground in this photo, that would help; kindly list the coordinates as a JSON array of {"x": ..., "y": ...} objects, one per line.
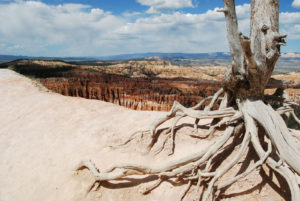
[{"x": 44, "y": 135}]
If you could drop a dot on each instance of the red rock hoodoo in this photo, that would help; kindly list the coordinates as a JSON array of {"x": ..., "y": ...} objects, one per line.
[{"x": 134, "y": 93}]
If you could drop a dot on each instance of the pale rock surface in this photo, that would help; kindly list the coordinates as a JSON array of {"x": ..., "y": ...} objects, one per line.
[{"x": 44, "y": 135}]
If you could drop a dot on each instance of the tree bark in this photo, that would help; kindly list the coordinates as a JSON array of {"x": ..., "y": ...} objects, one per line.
[{"x": 254, "y": 57}]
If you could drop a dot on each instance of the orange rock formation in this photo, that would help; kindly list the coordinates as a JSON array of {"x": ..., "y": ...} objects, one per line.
[{"x": 135, "y": 93}]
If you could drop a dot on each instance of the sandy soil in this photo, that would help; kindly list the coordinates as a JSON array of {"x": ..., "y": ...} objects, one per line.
[{"x": 44, "y": 135}]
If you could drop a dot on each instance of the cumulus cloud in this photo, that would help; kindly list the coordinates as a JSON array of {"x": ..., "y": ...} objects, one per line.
[
  {"x": 290, "y": 24},
  {"x": 36, "y": 25},
  {"x": 289, "y": 17},
  {"x": 36, "y": 28},
  {"x": 296, "y": 3},
  {"x": 182, "y": 32},
  {"x": 294, "y": 32},
  {"x": 156, "y": 6},
  {"x": 78, "y": 30}
]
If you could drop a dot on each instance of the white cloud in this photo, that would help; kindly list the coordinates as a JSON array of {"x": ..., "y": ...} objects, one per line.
[
  {"x": 243, "y": 11},
  {"x": 36, "y": 28},
  {"x": 182, "y": 32},
  {"x": 177, "y": 32},
  {"x": 294, "y": 32},
  {"x": 156, "y": 6},
  {"x": 130, "y": 14},
  {"x": 296, "y": 3},
  {"x": 290, "y": 24},
  {"x": 289, "y": 17}
]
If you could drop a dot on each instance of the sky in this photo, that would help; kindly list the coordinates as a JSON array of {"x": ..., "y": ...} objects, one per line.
[{"x": 111, "y": 27}]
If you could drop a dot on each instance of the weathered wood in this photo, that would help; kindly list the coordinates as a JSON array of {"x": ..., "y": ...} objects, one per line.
[
  {"x": 279, "y": 167},
  {"x": 253, "y": 58},
  {"x": 275, "y": 127},
  {"x": 233, "y": 36},
  {"x": 264, "y": 44}
]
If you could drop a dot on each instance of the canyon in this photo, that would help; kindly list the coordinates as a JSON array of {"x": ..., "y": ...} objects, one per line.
[
  {"x": 136, "y": 84},
  {"x": 134, "y": 93}
]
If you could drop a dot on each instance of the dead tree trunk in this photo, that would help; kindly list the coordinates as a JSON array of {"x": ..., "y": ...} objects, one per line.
[
  {"x": 253, "y": 58},
  {"x": 243, "y": 109}
]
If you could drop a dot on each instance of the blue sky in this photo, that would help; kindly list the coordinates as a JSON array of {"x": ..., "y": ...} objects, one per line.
[{"x": 110, "y": 27}]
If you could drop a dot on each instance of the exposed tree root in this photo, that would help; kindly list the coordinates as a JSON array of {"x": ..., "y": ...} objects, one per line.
[
  {"x": 244, "y": 116},
  {"x": 197, "y": 169}
]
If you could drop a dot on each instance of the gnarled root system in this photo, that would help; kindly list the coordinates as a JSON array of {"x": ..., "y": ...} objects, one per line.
[{"x": 256, "y": 124}]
